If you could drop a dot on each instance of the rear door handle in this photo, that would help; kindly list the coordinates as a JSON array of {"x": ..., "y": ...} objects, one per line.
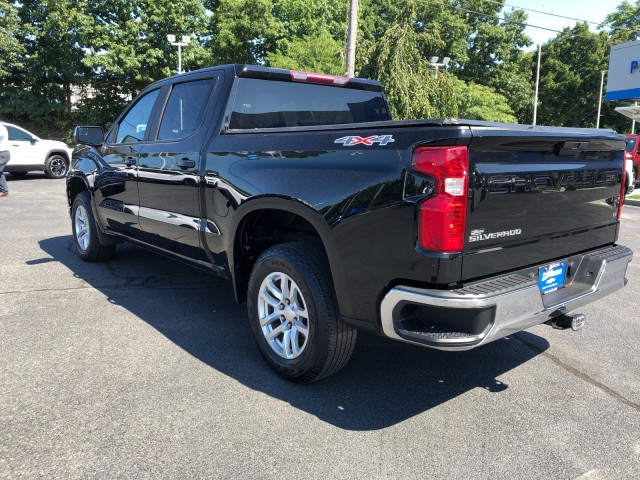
[
  {"x": 130, "y": 161},
  {"x": 185, "y": 163}
]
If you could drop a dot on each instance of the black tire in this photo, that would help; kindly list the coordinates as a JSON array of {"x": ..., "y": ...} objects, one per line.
[
  {"x": 56, "y": 166},
  {"x": 328, "y": 345},
  {"x": 18, "y": 174},
  {"x": 90, "y": 250},
  {"x": 630, "y": 185}
]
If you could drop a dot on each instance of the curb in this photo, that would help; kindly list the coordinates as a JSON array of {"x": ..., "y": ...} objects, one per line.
[{"x": 630, "y": 201}]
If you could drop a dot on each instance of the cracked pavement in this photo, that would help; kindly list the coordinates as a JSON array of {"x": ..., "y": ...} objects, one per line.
[{"x": 143, "y": 367}]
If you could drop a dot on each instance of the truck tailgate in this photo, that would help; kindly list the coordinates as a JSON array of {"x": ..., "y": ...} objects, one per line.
[{"x": 539, "y": 194}]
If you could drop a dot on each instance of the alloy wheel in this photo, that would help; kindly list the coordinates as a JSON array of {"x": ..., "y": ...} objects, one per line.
[
  {"x": 283, "y": 315},
  {"x": 82, "y": 228}
]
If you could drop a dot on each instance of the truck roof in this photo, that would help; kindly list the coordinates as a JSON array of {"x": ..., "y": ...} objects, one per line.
[{"x": 269, "y": 73}]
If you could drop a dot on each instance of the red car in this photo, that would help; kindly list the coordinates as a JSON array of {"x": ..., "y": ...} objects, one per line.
[{"x": 632, "y": 152}]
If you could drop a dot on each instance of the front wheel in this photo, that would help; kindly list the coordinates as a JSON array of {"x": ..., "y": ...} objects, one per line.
[
  {"x": 293, "y": 314},
  {"x": 85, "y": 232},
  {"x": 630, "y": 184},
  {"x": 56, "y": 166}
]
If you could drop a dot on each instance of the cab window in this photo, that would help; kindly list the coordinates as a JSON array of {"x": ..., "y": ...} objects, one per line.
[
  {"x": 132, "y": 128},
  {"x": 185, "y": 109},
  {"x": 275, "y": 104}
]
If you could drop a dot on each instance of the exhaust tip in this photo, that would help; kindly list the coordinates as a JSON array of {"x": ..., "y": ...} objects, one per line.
[
  {"x": 573, "y": 321},
  {"x": 577, "y": 321}
]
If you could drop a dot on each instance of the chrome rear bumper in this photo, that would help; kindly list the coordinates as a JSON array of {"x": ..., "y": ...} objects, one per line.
[{"x": 484, "y": 311}]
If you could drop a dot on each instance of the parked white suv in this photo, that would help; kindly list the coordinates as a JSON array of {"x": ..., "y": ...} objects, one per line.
[{"x": 31, "y": 153}]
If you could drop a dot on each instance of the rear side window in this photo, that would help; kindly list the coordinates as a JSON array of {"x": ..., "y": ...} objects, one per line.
[
  {"x": 185, "y": 109},
  {"x": 17, "y": 135},
  {"x": 274, "y": 104},
  {"x": 631, "y": 143}
]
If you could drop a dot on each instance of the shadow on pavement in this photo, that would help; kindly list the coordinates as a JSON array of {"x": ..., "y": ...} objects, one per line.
[
  {"x": 28, "y": 176},
  {"x": 385, "y": 383}
]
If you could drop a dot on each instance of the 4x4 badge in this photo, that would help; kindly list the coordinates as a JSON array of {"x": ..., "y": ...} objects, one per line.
[{"x": 379, "y": 139}]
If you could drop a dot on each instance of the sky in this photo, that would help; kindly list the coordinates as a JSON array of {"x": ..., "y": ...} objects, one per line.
[{"x": 590, "y": 10}]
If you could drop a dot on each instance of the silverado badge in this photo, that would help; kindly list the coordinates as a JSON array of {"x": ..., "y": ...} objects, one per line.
[{"x": 479, "y": 235}]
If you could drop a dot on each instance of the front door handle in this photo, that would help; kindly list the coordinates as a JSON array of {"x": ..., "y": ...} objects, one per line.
[
  {"x": 130, "y": 161},
  {"x": 185, "y": 163}
]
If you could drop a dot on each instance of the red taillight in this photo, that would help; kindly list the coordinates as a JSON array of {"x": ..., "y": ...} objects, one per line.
[
  {"x": 622, "y": 192},
  {"x": 319, "y": 78},
  {"x": 442, "y": 218}
]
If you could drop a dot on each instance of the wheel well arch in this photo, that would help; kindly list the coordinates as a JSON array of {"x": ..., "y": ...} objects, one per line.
[
  {"x": 272, "y": 223},
  {"x": 59, "y": 152},
  {"x": 75, "y": 185}
]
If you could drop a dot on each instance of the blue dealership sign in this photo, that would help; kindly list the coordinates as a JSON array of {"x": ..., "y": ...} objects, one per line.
[{"x": 623, "y": 81}]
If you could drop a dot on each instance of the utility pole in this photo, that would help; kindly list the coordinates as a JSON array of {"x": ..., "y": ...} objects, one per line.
[
  {"x": 600, "y": 101},
  {"x": 535, "y": 103},
  {"x": 352, "y": 33}
]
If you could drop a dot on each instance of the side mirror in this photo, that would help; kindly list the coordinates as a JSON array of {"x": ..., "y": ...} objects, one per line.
[
  {"x": 87, "y": 135},
  {"x": 33, "y": 141}
]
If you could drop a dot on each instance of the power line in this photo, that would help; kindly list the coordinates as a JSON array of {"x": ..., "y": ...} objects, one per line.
[
  {"x": 544, "y": 13},
  {"x": 599, "y": 24},
  {"x": 502, "y": 19}
]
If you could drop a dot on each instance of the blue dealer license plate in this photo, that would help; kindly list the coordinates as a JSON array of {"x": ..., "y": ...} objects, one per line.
[{"x": 551, "y": 278}]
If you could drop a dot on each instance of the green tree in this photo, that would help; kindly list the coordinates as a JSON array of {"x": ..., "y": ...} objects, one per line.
[
  {"x": 570, "y": 77},
  {"x": 242, "y": 31},
  {"x": 624, "y": 23},
  {"x": 478, "y": 102},
  {"x": 314, "y": 53},
  {"x": 102, "y": 52},
  {"x": 48, "y": 64},
  {"x": 265, "y": 31},
  {"x": 515, "y": 80},
  {"x": 412, "y": 88},
  {"x": 129, "y": 47},
  {"x": 497, "y": 59},
  {"x": 313, "y": 35},
  {"x": 10, "y": 47},
  {"x": 485, "y": 47}
]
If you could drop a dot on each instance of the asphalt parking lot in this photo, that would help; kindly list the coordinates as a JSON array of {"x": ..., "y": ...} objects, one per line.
[{"x": 146, "y": 368}]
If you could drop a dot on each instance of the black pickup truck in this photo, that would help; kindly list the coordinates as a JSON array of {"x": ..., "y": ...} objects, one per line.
[{"x": 329, "y": 217}]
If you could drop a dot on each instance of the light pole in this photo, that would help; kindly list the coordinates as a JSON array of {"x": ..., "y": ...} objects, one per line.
[
  {"x": 600, "y": 101},
  {"x": 436, "y": 65},
  {"x": 185, "y": 41},
  {"x": 535, "y": 103},
  {"x": 352, "y": 33}
]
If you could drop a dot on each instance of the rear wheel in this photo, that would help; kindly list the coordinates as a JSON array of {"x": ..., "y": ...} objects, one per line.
[
  {"x": 56, "y": 166},
  {"x": 293, "y": 314},
  {"x": 85, "y": 232}
]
